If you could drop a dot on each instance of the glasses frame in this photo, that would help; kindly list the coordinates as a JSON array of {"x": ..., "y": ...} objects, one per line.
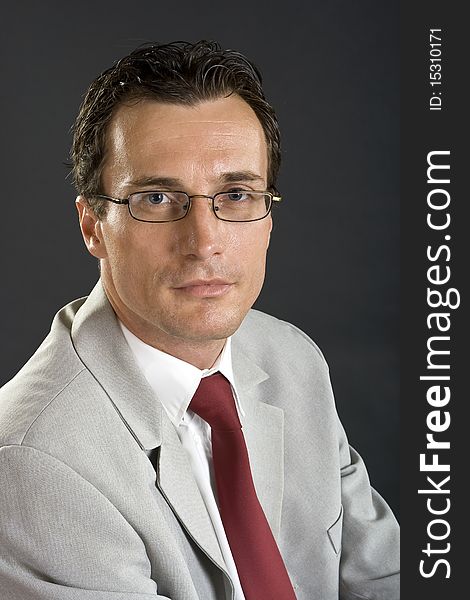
[{"x": 273, "y": 198}]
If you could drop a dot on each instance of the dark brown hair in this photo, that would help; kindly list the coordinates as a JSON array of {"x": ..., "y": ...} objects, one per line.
[{"x": 175, "y": 73}]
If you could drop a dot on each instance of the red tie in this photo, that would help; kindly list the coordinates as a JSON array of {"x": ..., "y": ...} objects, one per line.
[{"x": 260, "y": 567}]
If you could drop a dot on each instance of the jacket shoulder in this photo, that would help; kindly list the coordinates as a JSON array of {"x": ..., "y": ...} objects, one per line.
[
  {"x": 263, "y": 333},
  {"x": 51, "y": 369}
]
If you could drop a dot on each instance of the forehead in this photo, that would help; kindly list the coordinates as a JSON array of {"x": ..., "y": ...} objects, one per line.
[
  {"x": 226, "y": 110},
  {"x": 150, "y": 135}
]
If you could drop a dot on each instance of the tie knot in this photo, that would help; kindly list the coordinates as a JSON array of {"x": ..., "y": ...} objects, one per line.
[{"x": 213, "y": 401}]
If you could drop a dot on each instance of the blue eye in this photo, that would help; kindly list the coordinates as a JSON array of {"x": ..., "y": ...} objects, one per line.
[
  {"x": 237, "y": 195},
  {"x": 156, "y": 198}
]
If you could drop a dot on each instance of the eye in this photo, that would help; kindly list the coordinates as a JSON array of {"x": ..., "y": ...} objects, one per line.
[
  {"x": 155, "y": 197},
  {"x": 237, "y": 195}
]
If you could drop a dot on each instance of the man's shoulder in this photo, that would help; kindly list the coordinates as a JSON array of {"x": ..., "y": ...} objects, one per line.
[
  {"x": 264, "y": 333},
  {"x": 48, "y": 373}
]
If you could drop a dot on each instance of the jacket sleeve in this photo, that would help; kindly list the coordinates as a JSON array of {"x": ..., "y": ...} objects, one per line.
[
  {"x": 369, "y": 567},
  {"x": 366, "y": 533},
  {"x": 61, "y": 539}
]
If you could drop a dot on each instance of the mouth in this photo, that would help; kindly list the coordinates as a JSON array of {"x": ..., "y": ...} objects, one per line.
[{"x": 204, "y": 288}]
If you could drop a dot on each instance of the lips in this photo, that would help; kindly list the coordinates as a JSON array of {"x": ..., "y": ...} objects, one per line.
[
  {"x": 204, "y": 288},
  {"x": 194, "y": 282}
]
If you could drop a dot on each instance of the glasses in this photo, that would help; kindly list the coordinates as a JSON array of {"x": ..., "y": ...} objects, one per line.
[{"x": 165, "y": 206}]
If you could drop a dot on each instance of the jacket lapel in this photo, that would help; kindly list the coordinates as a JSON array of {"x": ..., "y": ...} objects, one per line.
[
  {"x": 177, "y": 484},
  {"x": 101, "y": 346},
  {"x": 263, "y": 427}
]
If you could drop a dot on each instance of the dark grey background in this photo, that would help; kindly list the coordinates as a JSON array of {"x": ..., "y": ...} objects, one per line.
[{"x": 331, "y": 70}]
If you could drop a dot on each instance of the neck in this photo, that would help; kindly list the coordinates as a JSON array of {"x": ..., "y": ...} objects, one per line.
[
  {"x": 202, "y": 355},
  {"x": 199, "y": 353}
]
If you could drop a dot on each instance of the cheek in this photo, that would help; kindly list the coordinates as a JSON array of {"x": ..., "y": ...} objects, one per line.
[
  {"x": 251, "y": 254},
  {"x": 128, "y": 238},
  {"x": 134, "y": 253}
]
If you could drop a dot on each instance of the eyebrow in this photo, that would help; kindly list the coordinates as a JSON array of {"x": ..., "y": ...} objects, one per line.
[
  {"x": 174, "y": 182},
  {"x": 235, "y": 176}
]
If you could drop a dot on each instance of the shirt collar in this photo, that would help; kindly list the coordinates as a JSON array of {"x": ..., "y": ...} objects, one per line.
[{"x": 175, "y": 381}]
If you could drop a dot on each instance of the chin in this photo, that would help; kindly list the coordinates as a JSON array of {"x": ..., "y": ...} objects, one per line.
[{"x": 211, "y": 325}]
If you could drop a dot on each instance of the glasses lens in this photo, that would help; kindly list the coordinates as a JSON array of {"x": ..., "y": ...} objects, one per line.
[
  {"x": 156, "y": 206},
  {"x": 242, "y": 205}
]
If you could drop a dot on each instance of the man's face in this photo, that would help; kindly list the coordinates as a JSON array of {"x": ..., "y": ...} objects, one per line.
[{"x": 190, "y": 281}]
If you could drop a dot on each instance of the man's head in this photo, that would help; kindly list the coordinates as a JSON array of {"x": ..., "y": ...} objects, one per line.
[
  {"x": 175, "y": 73},
  {"x": 182, "y": 286}
]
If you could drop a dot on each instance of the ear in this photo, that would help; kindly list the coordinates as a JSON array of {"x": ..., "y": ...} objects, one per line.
[
  {"x": 91, "y": 228},
  {"x": 270, "y": 230}
]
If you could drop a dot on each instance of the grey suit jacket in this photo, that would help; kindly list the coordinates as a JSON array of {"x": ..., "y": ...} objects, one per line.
[{"x": 97, "y": 497}]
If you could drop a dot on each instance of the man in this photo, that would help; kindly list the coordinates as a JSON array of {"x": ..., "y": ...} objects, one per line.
[{"x": 124, "y": 472}]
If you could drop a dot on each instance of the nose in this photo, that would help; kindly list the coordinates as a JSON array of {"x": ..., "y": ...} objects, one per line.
[{"x": 201, "y": 234}]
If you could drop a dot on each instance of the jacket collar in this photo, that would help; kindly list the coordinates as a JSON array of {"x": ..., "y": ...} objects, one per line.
[{"x": 100, "y": 344}]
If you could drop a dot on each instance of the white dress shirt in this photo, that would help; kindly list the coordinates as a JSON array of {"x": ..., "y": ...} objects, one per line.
[{"x": 174, "y": 382}]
